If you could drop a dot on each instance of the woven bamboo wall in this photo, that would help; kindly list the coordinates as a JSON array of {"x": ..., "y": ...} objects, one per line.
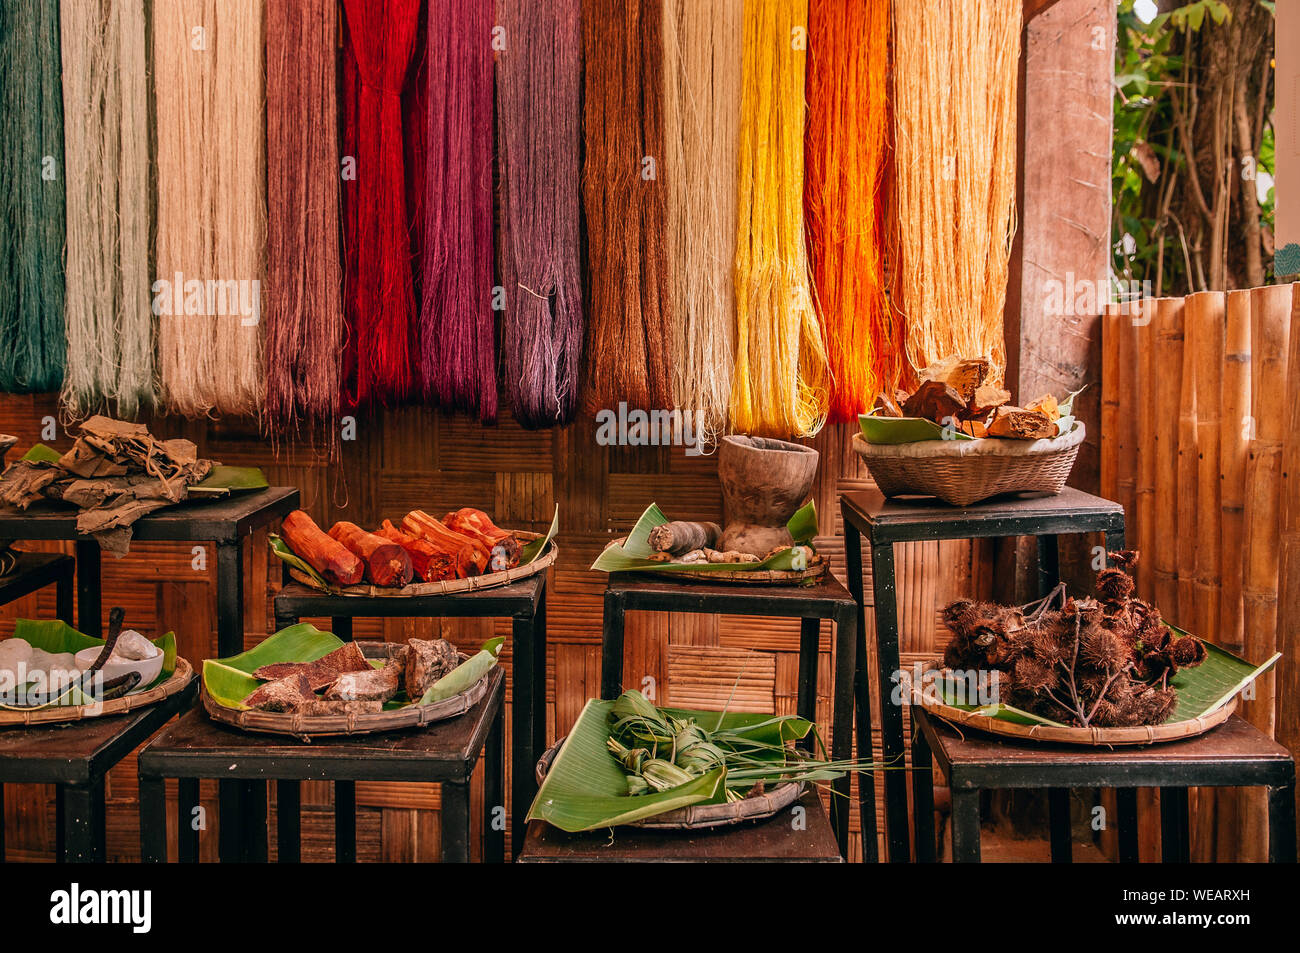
[{"x": 418, "y": 457}]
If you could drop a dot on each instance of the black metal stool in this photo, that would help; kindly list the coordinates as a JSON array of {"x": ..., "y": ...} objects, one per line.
[
  {"x": 1236, "y": 754},
  {"x": 75, "y": 758},
  {"x": 524, "y": 602},
  {"x": 445, "y": 752},
  {"x": 33, "y": 571},
  {"x": 827, "y": 599},
  {"x": 886, "y": 522}
]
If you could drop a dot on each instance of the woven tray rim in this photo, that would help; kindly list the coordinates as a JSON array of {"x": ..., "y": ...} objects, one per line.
[
  {"x": 698, "y": 817},
  {"x": 979, "y": 447},
  {"x": 179, "y": 678},
  {"x": 443, "y": 587},
  {"x": 306, "y": 727},
  {"x": 1090, "y": 737}
]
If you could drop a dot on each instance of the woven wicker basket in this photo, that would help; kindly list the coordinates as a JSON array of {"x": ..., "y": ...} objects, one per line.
[{"x": 962, "y": 472}]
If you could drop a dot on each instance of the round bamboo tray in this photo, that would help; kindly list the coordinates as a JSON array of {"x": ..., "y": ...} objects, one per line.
[
  {"x": 751, "y": 577},
  {"x": 306, "y": 727},
  {"x": 962, "y": 472},
  {"x": 1092, "y": 737},
  {"x": 180, "y": 677},
  {"x": 443, "y": 587},
  {"x": 756, "y": 807}
]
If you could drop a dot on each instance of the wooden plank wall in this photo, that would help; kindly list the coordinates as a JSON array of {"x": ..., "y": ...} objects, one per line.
[{"x": 419, "y": 457}]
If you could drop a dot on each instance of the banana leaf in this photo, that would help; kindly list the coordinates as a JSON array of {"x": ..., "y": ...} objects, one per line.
[
  {"x": 40, "y": 453},
  {"x": 55, "y": 635},
  {"x": 1201, "y": 690},
  {"x": 230, "y": 680},
  {"x": 586, "y": 789},
  {"x": 466, "y": 673},
  {"x": 223, "y": 480},
  {"x": 282, "y": 552},
  {"x": 634, "y": 553},
  {"x": 534, "y": 549},
  {"x": 888, "y": 430}
]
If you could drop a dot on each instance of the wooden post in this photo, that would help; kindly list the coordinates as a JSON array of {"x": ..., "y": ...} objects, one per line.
[
  {"x": 1233, "y": 451},
  {"x": 1269, "y": 334},
  {"x": 1109, "y": 400},
  {"x": 1205, "y": 317},
  {"x": 1288, "y": 617},
  {"x": 1188, "y": 473},
  {"x": 1148, "y": 419},
  {"x": 1126, "y": 433},
  {"x": 1169, "y": 358}
]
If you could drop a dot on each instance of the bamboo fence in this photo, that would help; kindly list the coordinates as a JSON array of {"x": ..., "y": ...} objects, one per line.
[{"x": 1200, "y": 412}]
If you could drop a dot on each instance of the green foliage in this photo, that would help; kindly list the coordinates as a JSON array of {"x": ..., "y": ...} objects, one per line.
[{"x": 1148, "y": 66}]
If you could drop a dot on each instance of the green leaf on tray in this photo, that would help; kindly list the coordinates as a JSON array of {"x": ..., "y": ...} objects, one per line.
[
  {"x": 223, "y": 480},
  {"x": 634, "y": 553},
  {"x": 534, "y": 549},
  {"x": 1201, "y": 690},
  {"x": 282, "y": 551},
  {"x": 40, "y": 453},
  {"x": 466, "y": 673},
  {"x": 889, "y": 430},
  {"x": 56, "y": 636},
  {"x": 586, "y": 789},
  {"x": 230, "y": 680}
]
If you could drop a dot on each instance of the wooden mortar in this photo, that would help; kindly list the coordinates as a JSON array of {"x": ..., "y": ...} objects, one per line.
[{"x": 764, "y": 481}]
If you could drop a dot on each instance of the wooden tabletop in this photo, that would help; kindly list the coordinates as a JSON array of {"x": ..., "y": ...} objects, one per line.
[
  {"x": 224, "y": 520},
  {"x": 772, "y": 840},
  {"x": 1236, "y": 752},
  {"x": 198, "y": 747},
  {"x": 77, "y": 752},
  {"x": 901, "y": 518},
  {"x": 523, "y": 596},
  {"x": 647, "y": 592}
]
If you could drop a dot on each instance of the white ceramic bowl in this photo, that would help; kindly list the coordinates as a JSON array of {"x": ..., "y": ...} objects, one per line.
[{"x": 149, "y": 668}]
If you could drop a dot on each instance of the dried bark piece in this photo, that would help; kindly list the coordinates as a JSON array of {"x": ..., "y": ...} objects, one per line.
[
  {"x": 987, "y": 398},
  {"x": 1018, "y": 423},
  {"x": 324, "y": 671},
  {"x": 326, "y": 555},
  {"x": 377, "y": 684},
  {"x": 730, "y": 556},
  {"x": 964, "y": 375},
  {"x": 339, "y": 706},
  {"x": 386, "y": 562},
  {"x": 24, "y": 483},
  {"x": 283, "y": 694},
  {"x": 935, "y": 400},
  {"x": 1046, "y": 405},
  {"x": 887, "y": 406},
  {"x": 427, "y": 660},
  {"x": 682, "y": 536}
]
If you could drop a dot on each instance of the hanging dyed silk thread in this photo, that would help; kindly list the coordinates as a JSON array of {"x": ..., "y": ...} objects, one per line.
[
  {"x": 32, "y": 339},
  {"x": 304, "y": 308},
  {"x": 538, "y": 102},
  {"x": 211, "y": 234},
  {"x": 381, "y": 38},
  {"x": 955, "y": 172},
  {"x": 846, "y": 155},
  {"x": 457, "y": 324},
  {"x": 629, "y": 323},
  {"x": 106, "y": 141},
  {"x": 702, "y": 79},
  {"x": 781, "y": 381}
]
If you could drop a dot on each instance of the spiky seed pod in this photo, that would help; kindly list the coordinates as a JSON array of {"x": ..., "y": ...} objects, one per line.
[
  {"x": 1031, "y": 675},
  {"x": 1101, "y": 647},
  {"x": 1114, "y": 585}
]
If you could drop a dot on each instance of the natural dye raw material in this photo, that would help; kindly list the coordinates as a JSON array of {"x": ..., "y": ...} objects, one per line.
[
  {"x": 381, "y": 39},
  {"x": 848, "y": 124},
  {"x": 457, "y": 324},
  {"x": 702, "y": 77},
  {"x": 781, "y": 380},
  {"x": 32, "y": 177},
  {"x": 211, "y": 219},
  {"x": 629, "y": 324},
  {"x": 106, "y": 141},
  {"x": 956, "y": 64},
  {"x": 538, "y": 86},
  {"x": 1101, "y": 662},
  {"x": 304, "y": 307}
]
